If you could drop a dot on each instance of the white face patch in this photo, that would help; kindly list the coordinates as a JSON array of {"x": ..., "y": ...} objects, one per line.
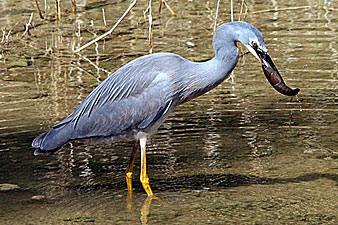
[
  {"x": 253, "y": 52},
  {"x": 253, "y": 46}
]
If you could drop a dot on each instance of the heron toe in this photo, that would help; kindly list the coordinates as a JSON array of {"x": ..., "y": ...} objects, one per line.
[{"x": 146, "y": 186}]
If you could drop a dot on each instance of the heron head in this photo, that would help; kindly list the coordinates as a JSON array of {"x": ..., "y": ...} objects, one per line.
[{"x": 253, "y": 40}]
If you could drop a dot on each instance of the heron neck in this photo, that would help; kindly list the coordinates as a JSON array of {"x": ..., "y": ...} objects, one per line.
[
  {"x": 202, "y": 77},
  {"x": 225, "y": 60},
  {"x": 218, "y": 68}
]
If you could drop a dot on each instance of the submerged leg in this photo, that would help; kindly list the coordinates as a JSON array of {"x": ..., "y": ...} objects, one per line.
[
  {"x": 129, "y": 170},
  {"x": 144, "y": 176},
  {"x": 129, "y": 176}
]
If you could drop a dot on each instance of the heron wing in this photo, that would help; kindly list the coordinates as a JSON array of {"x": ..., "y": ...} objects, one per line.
[{"x": 133, "y": 97}]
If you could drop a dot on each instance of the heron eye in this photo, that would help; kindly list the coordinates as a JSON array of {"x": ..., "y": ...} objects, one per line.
[{"x": 254, "y": 45}]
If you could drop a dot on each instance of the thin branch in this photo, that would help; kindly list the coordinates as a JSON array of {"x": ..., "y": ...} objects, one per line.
[
  {"x": 58, "y": 9},
  {"x": 246, "y": 10},
  {"x": 215, "y": 24},
  {"x": 45, "y": 7},
  {"x": 104, "y": 17},
  {"x": 232, "y": 19},
  {"x": 94, "y": 65},
  {"x": 74, "y": 6},
  {"x": 7, "y": 36},
  {"x": 110, "y": 31},
  {"x": 284, "y": 9},
  {"x": 86, "y": 72},
  {"x": 3, "y": 34},
  {"x": 160, "y": 6},
  {"x": 232, "y": 10},
  {"x": 150, "y": 17},
  {"x": 27, "y": 25},
  {"x": 240, "y": 11},
  {"x": 166, "y": 5},
  {"x": 39, "y": 10}
]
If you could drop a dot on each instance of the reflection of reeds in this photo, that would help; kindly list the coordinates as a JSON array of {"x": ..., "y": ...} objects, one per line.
[
  {"x": 241, "y": 11},
  {"x": 39, "y": 10},
  {"x": 150, "y": 20},
  {"x": 243, "y": 4},
  {"x": 5, "y": 36},
  {"x": 166, "y": 5},
  {"x": 74, "y": 6},
  {"x": 286, "y": 9},
  {"x": 217, "y": 8},
  {"x": 104, "y": 17},
  {"x": 232, "y": 10},
  {"x": 110, "y": 31},
  {"x": 148, "y": 10},
  {"x": 27, "y": 26},
  {"x": 58, "y": 9}
]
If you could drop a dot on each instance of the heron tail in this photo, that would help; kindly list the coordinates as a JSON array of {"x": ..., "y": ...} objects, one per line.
[{"x": 52, "y": 140}]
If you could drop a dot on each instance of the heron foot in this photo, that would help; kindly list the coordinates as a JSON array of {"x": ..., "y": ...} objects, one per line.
[{"x": 146, "y": 186}]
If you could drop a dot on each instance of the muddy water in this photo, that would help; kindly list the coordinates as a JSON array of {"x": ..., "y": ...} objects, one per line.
[{"x": 241, "y": 153}]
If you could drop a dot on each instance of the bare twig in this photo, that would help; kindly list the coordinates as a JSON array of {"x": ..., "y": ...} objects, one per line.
[
  {"x": 150, "y": 17},
  {"x": 246, "y": 10},
  {"x": 240, "y": 11},
  {"x": 94, "y": 65},
  {"x": 58, "y": 9},
  {"x": 7, "y": 36},
  {"x": 74, "y": 6},
  {"x": 86, "y": 72},
  {"x": 111, "y": 30},
  {"x": 232, "y": 19},
  {"x": 215, "y": 24},
  {"x": 104, "y": 17},
  {"x": 27, "y": 25},
  {"x": 39, "y": 10},
  {"x": 166, "y": 5},
  {"x": 160, "y": 6},
  {"x": 284, "y": 9},
  {"x": 3, "y": 34},
  {"x": 168, "y": 21},
  {"x": 232, "y": 10}
]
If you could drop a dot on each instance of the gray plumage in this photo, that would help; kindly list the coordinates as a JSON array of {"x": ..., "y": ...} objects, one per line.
[{"x": 139, "y": 96}]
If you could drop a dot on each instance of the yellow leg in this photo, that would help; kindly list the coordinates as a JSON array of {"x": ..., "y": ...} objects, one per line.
[
  {"x": 144, "y": 176},
  {"x": 129, "y": 177},
  {"x": 129, "y": 170}
]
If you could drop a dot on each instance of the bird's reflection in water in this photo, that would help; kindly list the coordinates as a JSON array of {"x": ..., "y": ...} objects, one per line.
[
  {"x": 130, "y": 201},
  {"x": 145, "y": 209}
]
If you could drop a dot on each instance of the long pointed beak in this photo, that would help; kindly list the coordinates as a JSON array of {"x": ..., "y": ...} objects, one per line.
[{"x": 273, "y": 76}]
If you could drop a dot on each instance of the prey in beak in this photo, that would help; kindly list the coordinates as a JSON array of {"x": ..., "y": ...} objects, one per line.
[{"x": 271, "y": 71}]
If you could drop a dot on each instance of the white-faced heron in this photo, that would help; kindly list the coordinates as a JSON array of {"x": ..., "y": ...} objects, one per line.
[{"x": 135, "y": 100}]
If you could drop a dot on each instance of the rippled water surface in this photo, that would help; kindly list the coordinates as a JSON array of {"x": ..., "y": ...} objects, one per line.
[{"x": 241, "y": 153}]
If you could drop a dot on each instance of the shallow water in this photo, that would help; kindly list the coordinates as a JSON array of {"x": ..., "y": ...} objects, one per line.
[{"x": 241, "y": 153}]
